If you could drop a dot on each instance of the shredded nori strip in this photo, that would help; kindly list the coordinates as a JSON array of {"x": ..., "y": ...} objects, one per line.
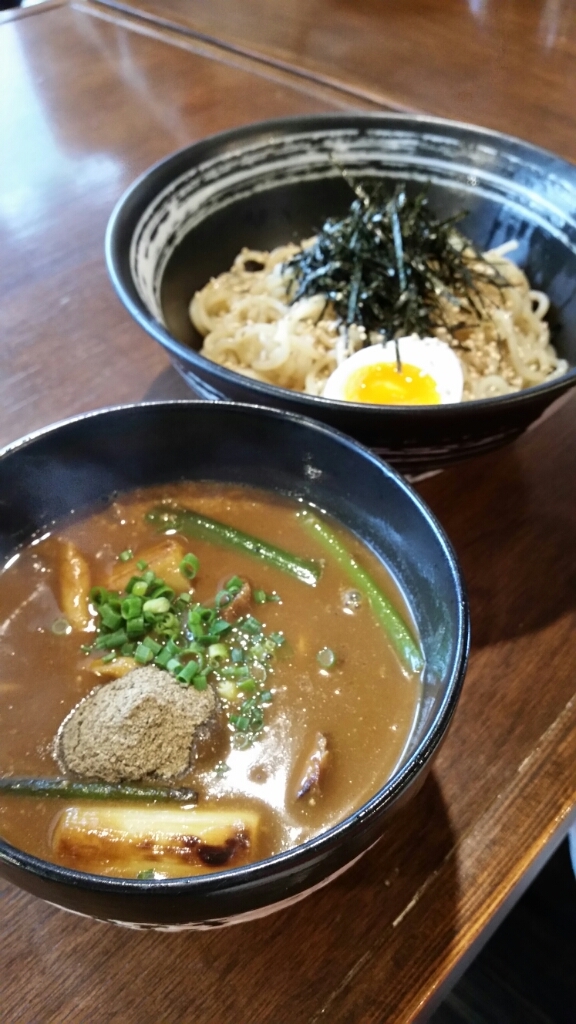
[{"x": 389, "y": 263}]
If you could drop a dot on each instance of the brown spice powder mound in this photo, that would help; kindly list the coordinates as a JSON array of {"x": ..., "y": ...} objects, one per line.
[{"x": 142, "y": 725}]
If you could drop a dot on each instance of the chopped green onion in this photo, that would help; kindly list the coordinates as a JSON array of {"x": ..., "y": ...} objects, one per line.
[
  {"x": 259, "y": 596},
  {"x": 251, "y": 625},
  {"x": 234, "y": 671},
  {"x": 169, "y": 651},
  {"x": 152, "y": 645},
  {"x": 108, "y": 658},
  {"x": 186, "y": 675},
  {"x": 98, "y": 596},
  {"x": 189, "y": 566},
  {"x": 156, "y": 606},
  {"x": 247, "y": 686},
  {"x": 200, "y": 682},
  {"x": 260, "y": 652},
  {"x": 266, "y": 697},
  {"x": 145, "y": 876},
  {"x": 108, "y": 641},
  {"x": 61, "y": 627},
  {"x": 259, "y": 673},
  {"x": 143, "y": 655},
  {"x": 220, "y": 627},
  {"x": 131, "y": 607},
  {"x": 125, "y": 556},
  {"x": 218, "y": 651},
  {"x": 227, "y": 690},
  {"x": 168, "y": 625},
  {"x": 135, "y": 626},
  {"x": 234, "y": 583},
  {"x": 174, "y": 665},
  {"x": 141, "y": 565},
  {"x": 139, "y": 588},
  {"x": 111, "y": 619},
  {"x": 128, "y": 648},
  {"x": 162, "y": 591},
  {"x": 237, "y": 655},
  {"x": 326, "y": 658},
  {"x": 277, "y": 638}
]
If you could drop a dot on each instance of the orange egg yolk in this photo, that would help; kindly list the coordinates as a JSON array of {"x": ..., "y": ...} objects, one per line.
[{"x": 382, "y": 384}]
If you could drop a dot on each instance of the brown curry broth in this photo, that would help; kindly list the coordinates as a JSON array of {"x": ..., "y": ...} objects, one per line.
[{"x": 366, "y": 705}]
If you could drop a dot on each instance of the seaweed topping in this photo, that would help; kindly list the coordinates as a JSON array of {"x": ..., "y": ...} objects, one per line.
[{"x": 390, "y": 265}]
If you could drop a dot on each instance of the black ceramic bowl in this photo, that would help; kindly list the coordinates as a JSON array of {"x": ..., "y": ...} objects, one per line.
[
  {"x": 79, "y": 464},
  {"x": 262, "y": 185}
]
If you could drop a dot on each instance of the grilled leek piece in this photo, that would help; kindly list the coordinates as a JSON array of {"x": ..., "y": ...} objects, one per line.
[{"x": 170, "y": 841}]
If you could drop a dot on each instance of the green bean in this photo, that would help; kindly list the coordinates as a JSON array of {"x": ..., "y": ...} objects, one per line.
[
  {"x": 192, "y": 524},
  {"x": 397, "y": 630},
  {"x": 72, "y": 790}
]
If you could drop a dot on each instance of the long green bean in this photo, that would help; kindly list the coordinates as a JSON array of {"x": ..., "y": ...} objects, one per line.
[
  {"x": 72, "y": 790},
  {"x": 192, "y": 524},
  {"x": 393, "y": 623}
]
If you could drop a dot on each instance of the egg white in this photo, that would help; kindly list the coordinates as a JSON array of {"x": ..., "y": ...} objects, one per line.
[{"x": 430, "y": 355}]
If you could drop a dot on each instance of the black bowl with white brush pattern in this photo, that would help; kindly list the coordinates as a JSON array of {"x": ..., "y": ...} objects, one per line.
[{"x": 266, "y": 184}]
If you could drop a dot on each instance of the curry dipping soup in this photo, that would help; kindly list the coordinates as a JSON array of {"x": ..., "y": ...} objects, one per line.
[{"x": 247, "y": 703}]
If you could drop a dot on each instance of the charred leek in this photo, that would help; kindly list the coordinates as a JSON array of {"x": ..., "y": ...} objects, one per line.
[{"x": 72, "y": 790}]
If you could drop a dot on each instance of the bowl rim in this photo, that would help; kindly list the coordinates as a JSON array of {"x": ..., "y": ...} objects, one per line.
[
  {"x": 237, "y": 879},
  {"x": 274, "y": 392}
]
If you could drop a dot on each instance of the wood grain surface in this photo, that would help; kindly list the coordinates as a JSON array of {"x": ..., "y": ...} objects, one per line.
[
  {"x": 88, "y": 102},
  {"x": 87, "y": 105},
  {"x": 506, "y": 64}
]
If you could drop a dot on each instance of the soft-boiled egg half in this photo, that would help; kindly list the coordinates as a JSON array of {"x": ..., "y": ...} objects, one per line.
[{"x": 429, "y": 374}]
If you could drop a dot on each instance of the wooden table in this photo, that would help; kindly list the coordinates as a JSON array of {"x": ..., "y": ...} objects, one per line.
[
  {"x": 505, "y": 64},
  {"x": 91, "y": 97}
]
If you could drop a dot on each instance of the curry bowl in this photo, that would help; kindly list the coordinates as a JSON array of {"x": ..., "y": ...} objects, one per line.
[
  {"x": 264, "y": 185},
  {"x": 84, "y": 464}
]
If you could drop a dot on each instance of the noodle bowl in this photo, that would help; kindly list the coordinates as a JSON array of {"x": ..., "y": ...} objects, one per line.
[{"x": 249, "y": 325}]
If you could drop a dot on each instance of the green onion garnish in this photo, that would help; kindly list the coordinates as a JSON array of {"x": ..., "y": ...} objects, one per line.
[
  {"x": 277, "y": 638},
  {"x": 125, "y": 556},
  {"x": 189, "y": 566},
  {"x": 143, "y": 655},
  {"x": 152, "y": 624},
  {"x": 156, "y": 606},
  {"x": 130, "y": 607},
  {"x": 60, "y": 627},
  {"x": 326, "y": 658},
  {"x": 109, "y": 641},
  {"x": 186, "y": 675},
  {"x": 251, "y": 625}
]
